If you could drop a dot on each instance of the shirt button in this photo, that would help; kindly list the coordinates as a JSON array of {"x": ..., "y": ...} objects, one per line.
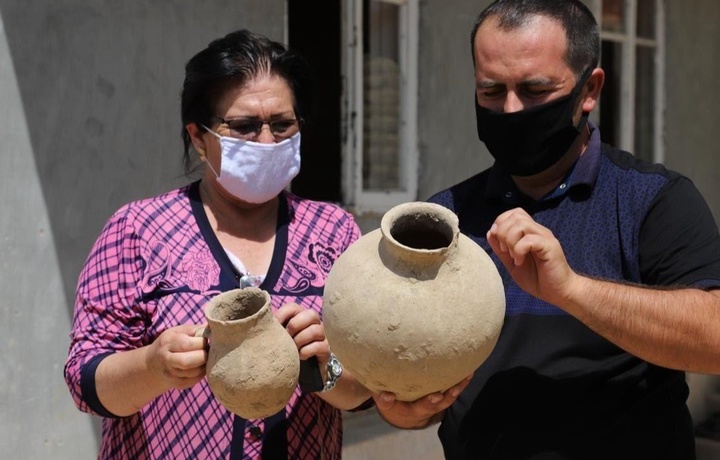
[
  {"x": 508, "y": 194},
  {"x": 562, "y": 186},
  {"x": 255, "y": 432}
]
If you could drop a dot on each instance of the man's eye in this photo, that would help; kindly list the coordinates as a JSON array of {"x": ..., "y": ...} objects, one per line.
[
  {"x": 491, "y": 94},
  {"x": 537, "y": 92}
]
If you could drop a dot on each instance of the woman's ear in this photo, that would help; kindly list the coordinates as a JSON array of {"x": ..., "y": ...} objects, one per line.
[{"x": 196, "y": 137}]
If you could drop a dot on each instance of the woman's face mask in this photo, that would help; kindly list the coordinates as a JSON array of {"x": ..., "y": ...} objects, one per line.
[
  {"x": 528, "y": 142},
  {"x": 255, "y": 172}
]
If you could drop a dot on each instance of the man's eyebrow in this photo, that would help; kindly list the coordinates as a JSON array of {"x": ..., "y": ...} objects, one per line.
[
  {"x": 540, "y": 81},
  {"x": 488, "y": 84}
]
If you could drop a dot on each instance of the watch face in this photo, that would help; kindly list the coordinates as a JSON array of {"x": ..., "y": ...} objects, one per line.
[
  {"x": 334, "y": 367},
  {"x": 334, "y": 370}
]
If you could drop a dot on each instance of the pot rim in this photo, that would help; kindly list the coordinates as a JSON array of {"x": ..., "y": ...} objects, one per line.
[
  {"x": 429, "y": 212},
  {"x": 233, "y": 296}
]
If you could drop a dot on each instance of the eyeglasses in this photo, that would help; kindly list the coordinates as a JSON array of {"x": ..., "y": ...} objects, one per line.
[{"x": 250, "y": 128}]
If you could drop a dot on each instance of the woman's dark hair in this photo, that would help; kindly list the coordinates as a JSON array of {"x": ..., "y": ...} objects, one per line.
[
  {"x": 581, "y": 29},
  {"x": 230, "y": 62}
]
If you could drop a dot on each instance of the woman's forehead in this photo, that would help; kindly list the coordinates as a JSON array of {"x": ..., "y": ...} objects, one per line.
[{"x": 262, "y": 95}]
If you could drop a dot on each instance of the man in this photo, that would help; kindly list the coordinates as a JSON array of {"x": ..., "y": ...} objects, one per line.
[{"x": 611, "y": 266}]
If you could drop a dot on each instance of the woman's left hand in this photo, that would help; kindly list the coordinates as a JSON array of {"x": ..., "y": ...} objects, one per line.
[{"x": 306, "y": 329}]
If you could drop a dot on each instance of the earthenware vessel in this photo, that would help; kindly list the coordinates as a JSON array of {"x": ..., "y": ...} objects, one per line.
[
  {"x": 253, "y": 364},
  {"x": 414, "y": 306}
]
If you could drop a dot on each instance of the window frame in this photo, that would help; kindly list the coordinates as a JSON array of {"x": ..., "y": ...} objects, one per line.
[
  {"x": 355, "y": 197},
  {"x": 629, "y": 42}
]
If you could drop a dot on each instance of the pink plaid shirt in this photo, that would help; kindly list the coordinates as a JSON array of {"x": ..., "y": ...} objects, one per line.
[{"x": 155, "y": 265}]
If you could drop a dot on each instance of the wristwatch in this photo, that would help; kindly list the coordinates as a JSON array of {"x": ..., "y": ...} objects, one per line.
[{"x": 333, "y": 371}]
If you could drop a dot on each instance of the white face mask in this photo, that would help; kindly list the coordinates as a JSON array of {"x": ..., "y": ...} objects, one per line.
[{"x": 255, "y": 172}]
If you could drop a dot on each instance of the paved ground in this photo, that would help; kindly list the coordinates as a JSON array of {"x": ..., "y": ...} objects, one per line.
[
  {"x": 707, "y": 449},
  {"x": 367, "y": 437},
  {"x": 708, "y": 438}
]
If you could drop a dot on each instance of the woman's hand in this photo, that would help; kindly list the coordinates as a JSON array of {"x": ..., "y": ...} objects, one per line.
[
  {"x": 308, "y": 332},
  {"x": 306, "y": 329},
  {"x": 178, "y": 356},
  {"x": 127, "y": 381}
]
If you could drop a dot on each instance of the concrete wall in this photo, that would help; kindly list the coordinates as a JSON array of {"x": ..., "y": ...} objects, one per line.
[
  {"x": 693, "y": 101},
  {"x": 90, "y": 119},
  {"x": 449, "y": 147},
  {"x": 692, "y": 123}
]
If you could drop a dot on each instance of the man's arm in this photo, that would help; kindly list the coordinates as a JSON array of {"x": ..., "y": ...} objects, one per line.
[
  {"x": 674, "y": 328},
  {"x": 648, "y": 323}
]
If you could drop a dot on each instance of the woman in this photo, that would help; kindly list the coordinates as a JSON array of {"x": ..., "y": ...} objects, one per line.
[{"x": 134, "y": 358}]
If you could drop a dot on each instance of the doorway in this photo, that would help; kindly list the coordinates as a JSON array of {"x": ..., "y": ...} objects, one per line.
[{"x": 321, "y": 150}]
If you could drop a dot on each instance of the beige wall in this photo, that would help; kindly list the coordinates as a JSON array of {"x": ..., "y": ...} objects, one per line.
[
  {"x": 449, "y": 147},
  {"x": 693, "y": 100},
  {"x": 692, "y": 124}
]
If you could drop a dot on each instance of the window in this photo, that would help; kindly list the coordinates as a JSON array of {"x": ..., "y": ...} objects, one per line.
[
  {"x": 379, "y": 110},
  {"x": 631, "y": 104}
]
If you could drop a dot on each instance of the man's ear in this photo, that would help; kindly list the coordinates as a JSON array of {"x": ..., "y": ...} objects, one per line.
[{"x": 593, "y": 87}]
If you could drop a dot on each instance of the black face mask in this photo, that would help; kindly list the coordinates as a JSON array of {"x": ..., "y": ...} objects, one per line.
[{"x": 528, "y": 142}]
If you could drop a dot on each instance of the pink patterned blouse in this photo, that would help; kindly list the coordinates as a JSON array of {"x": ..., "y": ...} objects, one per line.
[{"x": 154, "y": 266}]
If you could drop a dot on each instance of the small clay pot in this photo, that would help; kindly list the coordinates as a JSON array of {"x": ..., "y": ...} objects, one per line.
[
  {"x": 253, "y": 364},
  {"x": 414, "y": 306}
]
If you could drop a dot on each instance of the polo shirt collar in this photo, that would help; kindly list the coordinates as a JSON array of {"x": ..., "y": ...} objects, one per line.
[{"x": 582, "y": 175}]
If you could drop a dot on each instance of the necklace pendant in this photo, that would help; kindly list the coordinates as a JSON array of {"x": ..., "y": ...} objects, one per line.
[{"x": 248, "y": 280}]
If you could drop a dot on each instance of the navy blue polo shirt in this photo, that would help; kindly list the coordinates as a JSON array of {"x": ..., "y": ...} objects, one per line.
[{"x": 552, "y": 388}]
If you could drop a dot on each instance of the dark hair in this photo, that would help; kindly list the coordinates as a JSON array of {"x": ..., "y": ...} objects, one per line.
[
  {"x": 581, "y": 28},
  {"x": 230, "y": 62}
]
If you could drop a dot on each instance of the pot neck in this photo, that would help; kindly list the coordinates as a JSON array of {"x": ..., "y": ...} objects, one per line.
[
  {"x": 421, "y": 234},
  {"x": 235, "y": 311}
]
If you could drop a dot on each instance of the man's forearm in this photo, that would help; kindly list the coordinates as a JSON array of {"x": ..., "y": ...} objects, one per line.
[{"x": 674, "y": 328}]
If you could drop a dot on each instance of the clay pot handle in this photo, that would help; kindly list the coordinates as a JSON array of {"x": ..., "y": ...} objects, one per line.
[{"x": 203, "y": 332}]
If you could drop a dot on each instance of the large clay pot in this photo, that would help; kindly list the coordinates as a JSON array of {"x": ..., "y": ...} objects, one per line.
[
  {"x": 414, "y": 306},
  {"x": 253, "y": 364}
]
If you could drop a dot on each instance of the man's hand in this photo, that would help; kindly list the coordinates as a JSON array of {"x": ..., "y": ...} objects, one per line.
[
  {"x": 532, "y": 255},
  {"x": 420, "y": 413}
]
